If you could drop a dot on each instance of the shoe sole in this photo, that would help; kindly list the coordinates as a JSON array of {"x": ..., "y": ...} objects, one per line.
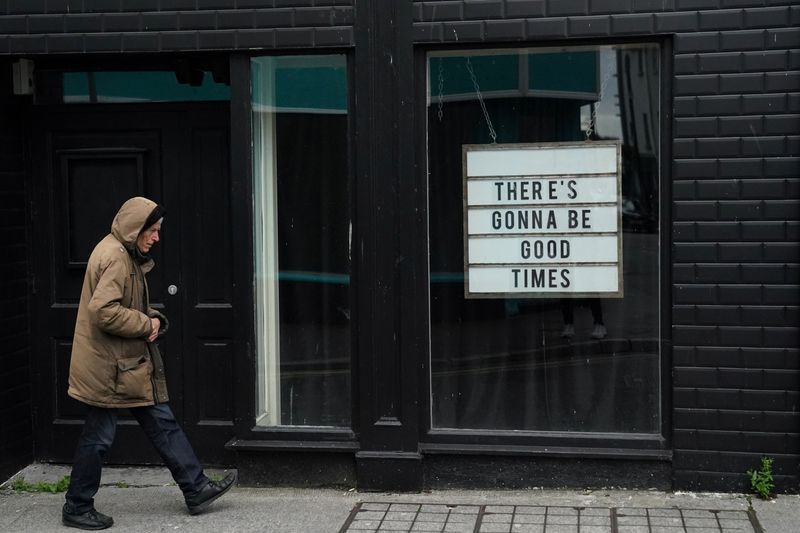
[
  {"x": 87, "y": 528},
  {"x": 203, "y": 506}
]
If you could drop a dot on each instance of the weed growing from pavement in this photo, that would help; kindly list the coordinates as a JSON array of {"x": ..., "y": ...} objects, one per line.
[
  {"x": 761, "y": 480},
  {"x": 20, "y": 485}
]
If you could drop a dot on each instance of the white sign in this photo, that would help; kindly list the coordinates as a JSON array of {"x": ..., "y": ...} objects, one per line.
[{"x": 542, "y": 220}]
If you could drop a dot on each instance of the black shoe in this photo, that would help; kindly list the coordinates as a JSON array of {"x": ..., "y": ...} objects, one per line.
[
  {"x": 88, "y": 520},
  {"x": 200, "y": 500}
]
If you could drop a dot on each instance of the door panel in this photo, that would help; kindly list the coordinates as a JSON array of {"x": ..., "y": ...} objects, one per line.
[{"x": 87, "y": 161}]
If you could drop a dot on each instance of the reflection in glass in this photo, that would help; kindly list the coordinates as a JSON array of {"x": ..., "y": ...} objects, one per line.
[
  {"x": 545, "y": 364},
  {"x": 302, "y": 240}
]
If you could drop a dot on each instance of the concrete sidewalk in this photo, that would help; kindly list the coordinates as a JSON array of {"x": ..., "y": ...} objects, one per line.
[{"x": 147, "y": 500}]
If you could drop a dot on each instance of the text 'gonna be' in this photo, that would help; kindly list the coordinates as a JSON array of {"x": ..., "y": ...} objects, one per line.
[{"x": 532, "y": 219}]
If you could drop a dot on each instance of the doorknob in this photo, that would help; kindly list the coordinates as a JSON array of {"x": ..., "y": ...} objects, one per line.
[{"x": 172, "y": 289}]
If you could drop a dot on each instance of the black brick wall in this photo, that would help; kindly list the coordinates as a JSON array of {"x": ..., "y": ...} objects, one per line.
[
  {"x": 16, "y": 439},
  {"x": 735, "y": 187},
  {"x": 77, "y": 26}
]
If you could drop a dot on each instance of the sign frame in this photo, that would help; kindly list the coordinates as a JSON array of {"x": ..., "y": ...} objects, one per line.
[{"x": 619, "y": 264}]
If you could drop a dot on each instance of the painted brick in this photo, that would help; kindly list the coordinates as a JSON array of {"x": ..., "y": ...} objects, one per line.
[
  {"x": 683, "y": 190},
  {"x": 683, "y": 148},
  {"x": 483, "y": 9},
  {"x": 541, "y": 29},
  {"x": 62, "y": 6},
  {"x": 119, "y": 22},
  {"x": 567, "y": 7},
  {"x": 83, "y": 23},
  {"x": 686, "y": 64},
  {"x": 682, "y": 398},
  {"x": 653, "y": 5},
  {"x": 342, "y": 36},
  {"x": 778, "y": 337},
  {"x": 216, "y": 40},
  {"x": 697, "y": 42},
  {"x": 197, "y": 21},
  {"x": 464, "y": 31},
  {"x": 721, "y": 20},
  {"x": 764, "y": 146},
  {"x": 176, "y": 5},
  {"x": 141, "y": 42},
  {"x": 783, "y": 38},
  {"x": 256, "y": 39},
  {"x": 312, "y": 17},
  {"x": 696, "y": 377},
  {"x": 274, "y": 18},
  {"x": 677, "y": 22},
  {"x": 599, "y": 7},
  {"x": 695, "y": 127},
  {"x": 718, "y": 356},
  {"x": 740, "y": 378},
  {"x": 159, "y": 21},
  {"x": 453, "y": 10},
  {"x": 769, "y": 60},
  {"x": 720, "y": 190},
  {"x": 633, "y": 24},
  {"x": 690, "y": 5},
  {"x": 719, "y": 105},
  {"x": 710, "y": 315},
  {"x": 743, "y": 40},
  {"x": 719, "y": 231},
  {"x": 65, "y": 43},
  {"x": 686, "y": 252},
  {"x": 683, "y": 232},
  {"x": 40, "y": 24},
  {"x": 21, "y": 44},
  {"x": 696, "y": 85},
  {"x": 100, "y": 6},
  {"x": 720, "y": 62},
  {"x": 588, "y": 26},
  {"x": 694, "y": 294},
  {"x": 695, "y": 211},
  {"x": 763, "y": 189},
  {"x": 230, "y": 19},
  {"x": 782, "y": 252},
  {"x": 179, "y": 40},
  {"x": 342, "y": 16},
  {"x": 140, "y": 5},
  {"x": 782, "y": 210},
  {"x": 763, "y": 315},
  {"x": 719, "y": 273},
  {"x": 28, "y": 6},
  {"x": 739, "y": 251},
  {"x": 431, "y": 32},
  {"x": 767, "y": 17},
  {"x": 505, "y": 29},
  {"x": 289, "y": 37},
  {"x": 740, "y": 210},
  {"x": 747, "y": 125},
  {"x": 694, "y": 335},
  {"x": 695, "y": 168},
  {"x": 719, "y": 147},
  {"x": 763, "y": 231},
  {"x": 741, "y": 83},
  {"x": 684, "y": 106},
  {"x": 740, "y": 168},
  {"x": 683, "y": 314},
  {"x": 682, "y": 274},
  {"x": 784, "y": 167},
  {"x": 107, "y": 42}
]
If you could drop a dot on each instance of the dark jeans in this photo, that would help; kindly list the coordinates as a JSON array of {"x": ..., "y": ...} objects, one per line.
[{"x": 161, "y": 428}]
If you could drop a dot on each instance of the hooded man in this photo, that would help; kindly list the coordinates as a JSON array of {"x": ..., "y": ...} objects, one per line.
[{"x": 115, "y": 364}]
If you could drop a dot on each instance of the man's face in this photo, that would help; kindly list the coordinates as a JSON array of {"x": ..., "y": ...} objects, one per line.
[{"x": 148, "y": 237}]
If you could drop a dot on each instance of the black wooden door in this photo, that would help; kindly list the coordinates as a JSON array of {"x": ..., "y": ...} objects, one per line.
[{"x": 87, "y": 160}]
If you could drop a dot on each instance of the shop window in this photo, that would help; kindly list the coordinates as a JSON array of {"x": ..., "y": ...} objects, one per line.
[
  {"x": 126, "y": 87},
  {"x": 546, "y": 359},
  {"x": 302, "y": 240}
]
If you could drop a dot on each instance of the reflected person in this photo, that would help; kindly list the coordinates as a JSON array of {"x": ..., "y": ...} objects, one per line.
[{"x": 598, "y": 327}]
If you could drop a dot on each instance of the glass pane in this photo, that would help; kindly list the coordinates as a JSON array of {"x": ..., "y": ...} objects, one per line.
[
  {"x": 106, "y": 87},
  {"x": 545, "y": 364},
  {"x": 302, "y": 240}
]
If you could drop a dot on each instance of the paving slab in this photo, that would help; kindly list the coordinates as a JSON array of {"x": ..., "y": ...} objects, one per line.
[{"x": 147, "y": 500}]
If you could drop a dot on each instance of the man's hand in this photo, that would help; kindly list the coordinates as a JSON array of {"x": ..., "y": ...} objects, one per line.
[{"x": 156, "y": 325}]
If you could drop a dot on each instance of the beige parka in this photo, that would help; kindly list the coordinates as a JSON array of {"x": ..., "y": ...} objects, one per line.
[{"x": 112, "y": 363}]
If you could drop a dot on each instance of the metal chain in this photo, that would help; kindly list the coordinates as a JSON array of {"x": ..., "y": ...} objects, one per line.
[
  {"x": 441, "y": 86},
  {"x": 593, "y": 115},
  {"x": 474, "y": 79}
]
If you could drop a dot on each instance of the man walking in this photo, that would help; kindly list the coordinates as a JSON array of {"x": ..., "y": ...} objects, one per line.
[{"x": 115, "y": 364}]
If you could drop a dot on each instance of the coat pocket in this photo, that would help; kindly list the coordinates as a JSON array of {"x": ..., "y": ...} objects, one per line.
[{"x": 133, "y": 378}]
